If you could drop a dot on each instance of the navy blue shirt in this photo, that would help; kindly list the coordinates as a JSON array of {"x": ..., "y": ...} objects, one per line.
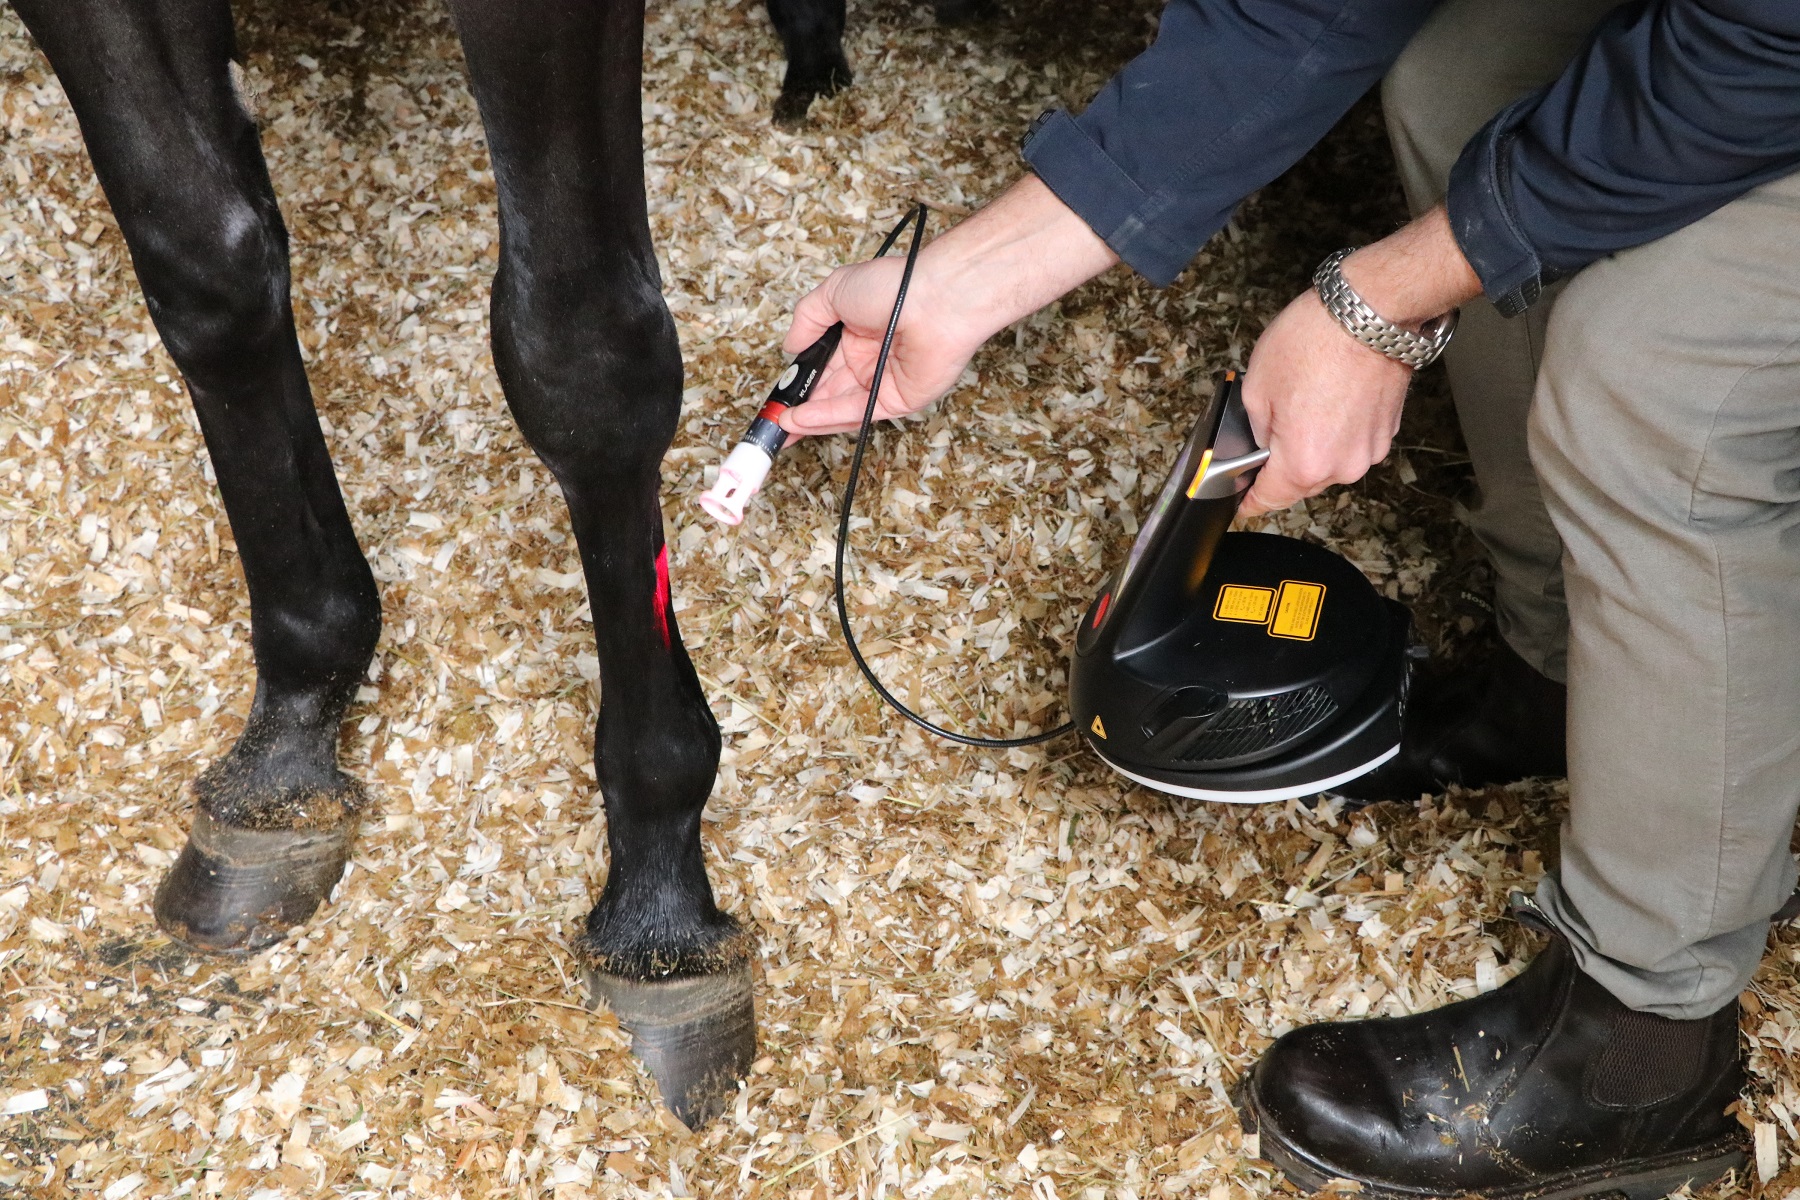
[{"x": 1672, "y": 110}]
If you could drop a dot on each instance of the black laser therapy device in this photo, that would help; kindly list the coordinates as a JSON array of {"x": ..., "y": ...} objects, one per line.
[{"x": 1243, "y": 667}]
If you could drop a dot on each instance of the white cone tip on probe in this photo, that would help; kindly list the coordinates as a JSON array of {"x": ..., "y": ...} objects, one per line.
[
  {"x": 741, "y": 476},
  {"x": 742, "y": 473}
]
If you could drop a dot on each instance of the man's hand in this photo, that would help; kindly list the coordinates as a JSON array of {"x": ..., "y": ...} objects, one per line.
[
  {"x": 1324, "y": 404},
  {"x": 932, "y": 346},
  {"x": 1327, "y": 406},
  {"x": 1004, "y": 263}
]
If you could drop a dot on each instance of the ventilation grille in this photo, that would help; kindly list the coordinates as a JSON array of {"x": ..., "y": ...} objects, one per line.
[{"x": 1252, "y": 726}]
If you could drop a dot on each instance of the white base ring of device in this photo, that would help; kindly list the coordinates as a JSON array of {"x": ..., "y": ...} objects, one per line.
[{"x": 1263, "y": 797}]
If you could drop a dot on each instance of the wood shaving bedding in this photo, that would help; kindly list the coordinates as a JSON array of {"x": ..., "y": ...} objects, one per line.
[{"x": 982, "y": 974}]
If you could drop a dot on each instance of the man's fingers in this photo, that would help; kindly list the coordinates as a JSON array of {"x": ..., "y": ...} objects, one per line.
[
  {"x": 824, "y": 414},
  {"x": 843, "y": 415},
  {"x": 837, "y": 404},
  {"x": 812, "y": 317},
  {"x": 1268, "y": 495},
  {"x": 1291, "y": 475}
]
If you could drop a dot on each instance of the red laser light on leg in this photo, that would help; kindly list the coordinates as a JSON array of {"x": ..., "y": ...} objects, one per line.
[{"x": 661, "y": 601}]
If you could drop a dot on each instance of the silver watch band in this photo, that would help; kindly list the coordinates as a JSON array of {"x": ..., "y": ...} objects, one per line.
[{"x": 1370, "y": 327}]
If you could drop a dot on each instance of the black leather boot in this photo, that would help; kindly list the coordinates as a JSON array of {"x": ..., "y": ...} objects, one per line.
[
  {"x": 1546, "y": 1088},
  {"x": 1496, "y": 723}
]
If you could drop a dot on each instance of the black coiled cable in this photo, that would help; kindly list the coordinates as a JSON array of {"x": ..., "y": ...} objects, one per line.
[{"x": 916, "y": 217}]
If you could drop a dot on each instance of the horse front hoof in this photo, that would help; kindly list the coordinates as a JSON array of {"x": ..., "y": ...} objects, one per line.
[
  {"x": 696, "y": 1036},
  {"x": 962, "y": 12},
  {"x": 791, "y": 108},
  {"x": 799, "y": 91},
  {"x": 235, "y": 891}
]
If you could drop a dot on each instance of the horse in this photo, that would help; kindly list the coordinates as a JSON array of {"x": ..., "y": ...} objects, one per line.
[
  {"x": 812, "y": 37},
  {"x": 585, "y": 350}
]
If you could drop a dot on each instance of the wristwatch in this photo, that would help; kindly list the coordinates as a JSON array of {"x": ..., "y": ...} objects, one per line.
[{"x": 1414, "y": 349}]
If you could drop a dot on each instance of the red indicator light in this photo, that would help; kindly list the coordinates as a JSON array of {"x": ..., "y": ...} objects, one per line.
[{"x": 1100, "y": 612}]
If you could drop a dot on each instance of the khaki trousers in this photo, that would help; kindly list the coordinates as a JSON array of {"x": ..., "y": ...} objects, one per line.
[{"x": 1653, "y": 556}]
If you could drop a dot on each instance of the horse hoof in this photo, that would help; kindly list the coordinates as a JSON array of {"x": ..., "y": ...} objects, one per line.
[
  {"x": 962, "y": 12},
  {"x": 790, "y": 108},
  {"x": 235, "y": 891},
  {"x": 696, "y": 1037},
  {"x": 798, "y": 91}
]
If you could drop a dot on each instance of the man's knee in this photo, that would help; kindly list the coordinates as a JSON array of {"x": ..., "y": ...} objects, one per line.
[
  {"x": 1592, "y": 354},
  {"x": 1622, "y": 408},
  {"x": 1421, "y": 100},
  {"x": 1470, "y": 60}
]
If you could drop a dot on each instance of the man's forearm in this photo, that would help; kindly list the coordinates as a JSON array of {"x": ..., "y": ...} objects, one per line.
[
  {"x": 1012, "y": 257},
  {"x": 1228, "y": 97},
  {"x": 1416, "y": 274}
]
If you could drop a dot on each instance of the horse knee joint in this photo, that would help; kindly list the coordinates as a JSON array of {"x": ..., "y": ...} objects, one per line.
[
  {"x": 218, "y": 295},
  {"x": 594, "y": 386}
]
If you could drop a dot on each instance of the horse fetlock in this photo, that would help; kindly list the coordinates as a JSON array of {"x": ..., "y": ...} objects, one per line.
[
  {"x": 665, "y": 788},
  {"x": 672, "y": 937},
  {"x": 317, "y": 642},
  {"x": 237, "y": 890},
  {"x": 962, "y": 12},
  {"x": 806, "y": 82}
]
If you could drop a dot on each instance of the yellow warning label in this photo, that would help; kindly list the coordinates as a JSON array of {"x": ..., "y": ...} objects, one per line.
[
  {"x": 1250, "y": 605},
  {"x": 1297, "y": 610},
  {"x": 1097, "y": 727}
]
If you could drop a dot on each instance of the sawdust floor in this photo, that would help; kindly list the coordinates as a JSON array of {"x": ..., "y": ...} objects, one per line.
[{"x": 981, "y": 974}]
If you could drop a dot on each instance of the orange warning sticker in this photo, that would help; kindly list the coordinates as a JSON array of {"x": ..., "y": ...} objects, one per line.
[
  {"x": 1297, "y": 609},
  {"x": 1250, "y": 605},
  {"x": 1097, "y": 727}
]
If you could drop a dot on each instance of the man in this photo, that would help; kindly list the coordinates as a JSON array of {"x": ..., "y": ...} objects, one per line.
[{"x": 1646, "y": 154}]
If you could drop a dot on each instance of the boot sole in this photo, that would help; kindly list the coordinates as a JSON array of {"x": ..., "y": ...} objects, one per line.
[{"x": 1643, "y": 1179}]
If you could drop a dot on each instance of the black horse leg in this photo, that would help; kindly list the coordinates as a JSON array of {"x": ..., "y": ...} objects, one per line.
[
  {"x": 586, "y": 352},
  {"x": 812, "y": 34},
  {"x": 180, "y": 162}
]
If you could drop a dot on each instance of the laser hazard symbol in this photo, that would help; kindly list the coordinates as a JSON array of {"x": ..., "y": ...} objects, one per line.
[{"x": 1292, "y": 611}]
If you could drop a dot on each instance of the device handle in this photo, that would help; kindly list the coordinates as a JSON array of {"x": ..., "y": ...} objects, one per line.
[{"x": 1169, "y": 560}]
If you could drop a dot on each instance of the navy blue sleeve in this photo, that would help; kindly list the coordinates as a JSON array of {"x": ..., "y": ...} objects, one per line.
[
  {"x": 1229, "y": 96},
  {"x": 1674, "y": 109}
]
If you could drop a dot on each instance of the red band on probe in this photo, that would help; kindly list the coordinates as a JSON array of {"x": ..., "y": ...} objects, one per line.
[{"x": 772, "y": 411}]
